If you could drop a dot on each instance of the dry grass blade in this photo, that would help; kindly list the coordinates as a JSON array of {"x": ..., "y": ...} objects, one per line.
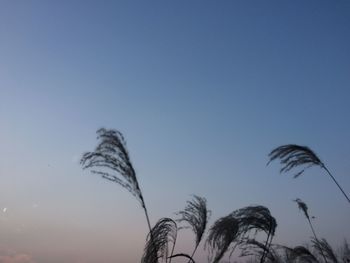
[
  {"x": 157, "y": 246},
  {"x": 325, "y": 249},
  {"x": 111, "y": 161},
  {"x": 196, "y": 215},
  {"x": 222, "y": 234},
  {"x": 292, "y": 155}
]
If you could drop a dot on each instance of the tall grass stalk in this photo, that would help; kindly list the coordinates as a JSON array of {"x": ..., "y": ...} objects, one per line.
[
  {"x": 112, "y": 162},
  {"x": 303, "y": 207}
]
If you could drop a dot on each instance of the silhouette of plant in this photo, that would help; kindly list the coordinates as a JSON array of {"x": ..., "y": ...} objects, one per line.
[
  {"x": 345, "y": 252},
  {"x": 299, "y": 254},
  {"x": 222, "y": 234},
  {"x": 292, "y": 156},
  {"x": 184, "y": 256},
  {"x": 111, "y": 161},
  {"x": 275, "y": 256},
  {"x": 303, "y": 207},
  {"x": 322, "y": 246},
  {"x": 196, "y": 215},
  {"x": 252, "y": 247},
  {"x": 284, "y": 254},
  {"x": 157, "y": 247},
  {"x": 257, "y": 218}
]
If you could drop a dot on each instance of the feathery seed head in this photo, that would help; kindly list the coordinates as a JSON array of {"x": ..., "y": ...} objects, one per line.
[{"x": 292, "y": 156}]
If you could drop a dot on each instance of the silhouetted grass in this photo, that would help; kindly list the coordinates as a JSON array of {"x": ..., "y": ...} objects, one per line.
[
  {"x": 303, "y": 207},
  {"x": 292, "y": 156},
  {"x": 163, "y": 233},
  {"x": 257, "y": 218},
  {"x": 111, "y": 161},
  {"x": 322, "y": 246},
  {"x": 196, "y": 215},
  {"x": 223, "y": 233}
]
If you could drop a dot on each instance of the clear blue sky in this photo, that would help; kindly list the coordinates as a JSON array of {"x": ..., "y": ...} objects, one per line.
[{"x": 202, "y": 91}]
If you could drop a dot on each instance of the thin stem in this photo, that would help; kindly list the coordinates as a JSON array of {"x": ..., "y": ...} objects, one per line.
[
  {"x": 172, "y": 252},
  {"x": 265, "y": 248},
  {"x": 147, "y": 218},
  {"x": 183, "y": 255},
  {"x": 148, "y": 222},
  {"x": 335, "y": 181},
  {"x": 269, "y": 245},
  {"x": 313, "y": 231},
  {"x": 173, "y": 248},
  {"x": 194, "y": 251}
]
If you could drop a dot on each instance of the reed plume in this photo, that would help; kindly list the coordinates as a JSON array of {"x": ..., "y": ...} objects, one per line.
[
  {"x": 111, "y": 161},
  {"x": 157, "y": 246},
  {"x": 196, "y": 215},
  {"x": 322, "y": 246},
  {"x": 222, "y": 234},
  {"x": 257, "y": 218},
  {"x": 303, "y": 207},
  {"x": 292, "y": 156}
]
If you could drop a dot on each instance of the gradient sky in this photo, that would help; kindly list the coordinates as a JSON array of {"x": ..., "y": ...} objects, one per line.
[{"x": 202, "y": 91}]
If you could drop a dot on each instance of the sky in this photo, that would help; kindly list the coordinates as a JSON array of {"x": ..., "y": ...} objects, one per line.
[{"x": 201, "y": 90}]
